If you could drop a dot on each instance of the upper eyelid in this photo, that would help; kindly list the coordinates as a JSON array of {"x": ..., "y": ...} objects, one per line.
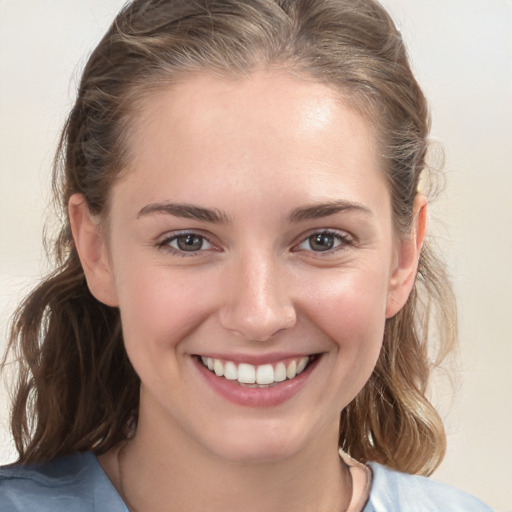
[
  {"x": 346, "y": 238},
  {"x": 170, "y": 235},
  {"x": 331, "y": 231},
  {"x": 164, "y": 240}
]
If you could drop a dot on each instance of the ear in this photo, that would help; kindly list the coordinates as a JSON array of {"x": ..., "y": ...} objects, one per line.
[
  {"x": 408, "y": 255},
  {"x": 92, "y": 251}
]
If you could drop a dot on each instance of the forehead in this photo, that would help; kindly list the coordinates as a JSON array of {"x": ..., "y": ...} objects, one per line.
[{"x": 272, "y": 128}]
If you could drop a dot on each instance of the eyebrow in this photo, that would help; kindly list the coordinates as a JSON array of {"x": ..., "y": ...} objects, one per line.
[
  {"x": 189, "y": 211},
  {"x": 186, "y": 211},
  {"x": 318, "y": 211}
]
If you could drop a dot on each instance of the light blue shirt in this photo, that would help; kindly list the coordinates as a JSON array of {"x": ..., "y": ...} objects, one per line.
[{"x": 77, "y": 483}]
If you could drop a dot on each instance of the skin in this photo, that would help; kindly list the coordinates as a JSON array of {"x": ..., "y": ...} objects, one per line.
[{"x": 254, "y": 151}]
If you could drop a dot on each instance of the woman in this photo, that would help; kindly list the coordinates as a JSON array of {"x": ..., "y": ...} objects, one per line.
[{"x": 241, "y": 273}]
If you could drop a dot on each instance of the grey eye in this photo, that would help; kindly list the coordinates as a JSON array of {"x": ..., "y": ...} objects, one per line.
[
  {"x": 189, "y": 242},
  {"x": 322, "y": 241}
]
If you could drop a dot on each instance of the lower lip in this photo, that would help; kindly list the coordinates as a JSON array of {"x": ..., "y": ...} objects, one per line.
[{"x": 270, "y": 396}]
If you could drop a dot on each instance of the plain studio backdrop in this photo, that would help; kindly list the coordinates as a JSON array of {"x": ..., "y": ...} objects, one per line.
[{"x": 461, "y": 51}]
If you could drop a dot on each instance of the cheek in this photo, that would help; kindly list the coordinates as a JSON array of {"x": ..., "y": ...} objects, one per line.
[
  {"x": 160, "y": 308},
  {"x": 351, "y": 312},
  {"x": 350, "y": 302}
]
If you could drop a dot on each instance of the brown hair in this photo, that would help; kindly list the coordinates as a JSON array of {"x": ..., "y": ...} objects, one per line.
[{"x": 76, "y": 389}]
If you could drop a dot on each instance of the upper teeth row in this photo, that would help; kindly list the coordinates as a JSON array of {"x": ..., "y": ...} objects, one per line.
[{"x": 248, "y": 374}]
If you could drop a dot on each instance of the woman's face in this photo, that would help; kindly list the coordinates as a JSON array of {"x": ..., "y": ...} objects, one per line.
[{"x": 251, "y": 234}]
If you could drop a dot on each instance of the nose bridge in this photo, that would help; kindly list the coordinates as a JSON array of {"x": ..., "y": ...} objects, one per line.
[{"x": 259, "y": 302}]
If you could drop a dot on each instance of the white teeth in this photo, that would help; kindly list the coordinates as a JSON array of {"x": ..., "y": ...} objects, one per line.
[
  {"x": 230, "y": 371},
  {"x": 302, "y": 364},
  {"x": 218, "y": 368},
  {"x": 280, "y": 372},
  {"x": 265, "y": 374},
  {"x": 246, "y": 373},
  {"x": 262, "y": 375},
  {"x": 291, "y": 371}
]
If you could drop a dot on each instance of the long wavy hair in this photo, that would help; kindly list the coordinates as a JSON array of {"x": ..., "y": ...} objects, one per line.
[{"x": 76, "y": 389}]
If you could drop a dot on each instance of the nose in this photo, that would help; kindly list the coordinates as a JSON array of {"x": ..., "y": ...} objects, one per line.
[{"x": 258, "y": 302}]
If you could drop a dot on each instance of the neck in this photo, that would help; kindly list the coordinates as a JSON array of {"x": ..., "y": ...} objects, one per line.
[{"x": 164, "y": 471}]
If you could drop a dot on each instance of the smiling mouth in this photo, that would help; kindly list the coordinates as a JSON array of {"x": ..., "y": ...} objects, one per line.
[{"x": 262, "y": 376}]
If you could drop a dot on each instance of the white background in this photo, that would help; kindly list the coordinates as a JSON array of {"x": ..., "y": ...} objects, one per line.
[{"x": 462, "y": 53}]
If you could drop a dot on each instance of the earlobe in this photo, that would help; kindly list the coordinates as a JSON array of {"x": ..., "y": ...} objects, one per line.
[
  {"x": 92, "y": 251},
  {"x": 404, "y": 275}
]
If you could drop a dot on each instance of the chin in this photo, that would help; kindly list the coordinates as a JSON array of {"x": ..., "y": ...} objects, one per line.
[{"x": 259, "y": 443}]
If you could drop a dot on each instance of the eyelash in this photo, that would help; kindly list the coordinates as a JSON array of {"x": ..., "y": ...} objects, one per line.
[
  {"x": 165, "y": 244},
  {"x": 341, "y": 240}
]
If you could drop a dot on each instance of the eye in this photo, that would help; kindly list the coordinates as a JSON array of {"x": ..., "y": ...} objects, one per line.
[
  {"x": 186, "y": 242},
  {"x": 324, "y": 241}
]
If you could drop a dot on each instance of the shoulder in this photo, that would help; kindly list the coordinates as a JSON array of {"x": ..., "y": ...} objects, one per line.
[
  {"x": 394, "y": 491},
  {"x": 74, "y": 483}
]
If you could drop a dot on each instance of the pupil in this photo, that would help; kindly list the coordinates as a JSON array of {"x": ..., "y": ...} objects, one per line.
[
  {"x": 322, "y": 242},
  {"x": 190, "y": 242}
]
